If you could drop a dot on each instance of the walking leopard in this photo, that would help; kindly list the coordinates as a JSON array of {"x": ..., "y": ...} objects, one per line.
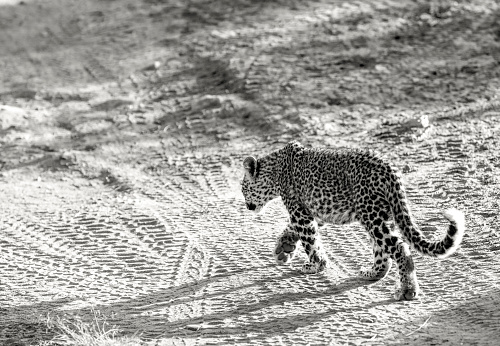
[{"x": 341, "y": 186}]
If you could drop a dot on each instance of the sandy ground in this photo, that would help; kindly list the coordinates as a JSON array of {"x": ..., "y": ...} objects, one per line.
[{"x": 123, "y": 125}]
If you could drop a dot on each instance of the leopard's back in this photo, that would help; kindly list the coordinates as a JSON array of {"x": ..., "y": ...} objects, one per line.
[{"x": 332, "y": 183}]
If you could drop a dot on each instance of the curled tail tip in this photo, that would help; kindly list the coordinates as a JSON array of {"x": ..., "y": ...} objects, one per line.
[
  {"x": 457, "y": 219},
  {"x": 455, "y": 216}
]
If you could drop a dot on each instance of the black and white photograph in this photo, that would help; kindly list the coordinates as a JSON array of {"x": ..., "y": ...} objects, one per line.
[{"x": 249, "y": 172}]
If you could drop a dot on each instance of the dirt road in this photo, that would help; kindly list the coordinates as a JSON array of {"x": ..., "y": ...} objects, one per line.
[{"x": 123, "y": 125}]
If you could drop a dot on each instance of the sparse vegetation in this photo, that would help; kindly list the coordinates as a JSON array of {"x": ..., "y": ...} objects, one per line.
[{"x": 73, "y": 331}]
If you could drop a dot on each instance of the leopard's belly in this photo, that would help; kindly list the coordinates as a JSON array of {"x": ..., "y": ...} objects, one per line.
[
  {"x": 327, "y": 210},
  {"x": 337, "y": 217}
]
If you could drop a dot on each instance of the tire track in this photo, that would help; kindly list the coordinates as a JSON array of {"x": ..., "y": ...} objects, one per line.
[
  {"x": 178, "y": 256},
  {"x": 257, "y": 319}
]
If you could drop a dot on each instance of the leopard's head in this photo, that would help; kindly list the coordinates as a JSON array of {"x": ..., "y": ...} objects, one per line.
[{"x": 258, "y": 185}]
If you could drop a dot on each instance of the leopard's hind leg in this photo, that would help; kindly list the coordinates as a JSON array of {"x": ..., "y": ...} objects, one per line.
[
  {"x": 394, "y": 247},
  {"x": 382, "y": 263}
]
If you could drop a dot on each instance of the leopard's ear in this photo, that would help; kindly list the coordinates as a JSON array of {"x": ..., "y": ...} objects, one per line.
[
  {"x": 250, "y": 164},
  {"x": 295, "y": 145}
]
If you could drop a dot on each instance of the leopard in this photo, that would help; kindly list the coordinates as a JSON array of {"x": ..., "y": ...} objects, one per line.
[{"x": 340, "y": 186}]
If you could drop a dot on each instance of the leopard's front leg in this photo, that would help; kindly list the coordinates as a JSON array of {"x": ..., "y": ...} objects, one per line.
[{"x": 308, "y": 231}]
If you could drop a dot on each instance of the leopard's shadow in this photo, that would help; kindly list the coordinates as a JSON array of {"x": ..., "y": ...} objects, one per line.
[
  {"x": 233, "y": 312},
  {"x": 135, "y": 314}
]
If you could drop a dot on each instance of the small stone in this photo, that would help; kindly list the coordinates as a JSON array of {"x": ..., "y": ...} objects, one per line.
[
  {"x": 194, "y": 327},
  {"x": 408, "y": 169},
  {"x": 424, "y": 121},
  {"x": 483, "y": 147},
  {"x": 382, "y": 69}
]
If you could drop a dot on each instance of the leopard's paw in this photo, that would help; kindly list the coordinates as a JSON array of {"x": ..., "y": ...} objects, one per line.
[
  {"x": 308, "y": 268},
  {"x": 368, "y": 273},
  {"x": 407, "y": 290},
  {"x": 313, "y": 268},
  {"x": 285, "y": 247}
]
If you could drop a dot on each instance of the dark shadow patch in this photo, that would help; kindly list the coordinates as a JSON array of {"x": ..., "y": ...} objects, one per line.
[
  {"x": 114, "y": 182},
  {"x": 200, "y": 14},
  {"x": 356, "y": 62},
  {"x": 111, "y": 104},
  {"x": 475, "y": 322},
  {"x": 58, "y": 98},
  {"x": 26, "y": 333},
  {"x": 45, "y": 159},
  {"x": 216, "y": 77},
  {"x": 27, "y": 94},
  {"x": 65, "y": 124}
]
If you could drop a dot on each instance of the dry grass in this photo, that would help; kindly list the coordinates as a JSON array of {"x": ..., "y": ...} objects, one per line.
[{"x": 96, "y": 332}]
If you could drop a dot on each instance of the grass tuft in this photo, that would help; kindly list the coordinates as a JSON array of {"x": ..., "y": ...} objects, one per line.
[{"x": 97, "y": 332}]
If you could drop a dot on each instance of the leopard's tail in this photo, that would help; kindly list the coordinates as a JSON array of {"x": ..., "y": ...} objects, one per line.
[{"x": 440, "y": 248}]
